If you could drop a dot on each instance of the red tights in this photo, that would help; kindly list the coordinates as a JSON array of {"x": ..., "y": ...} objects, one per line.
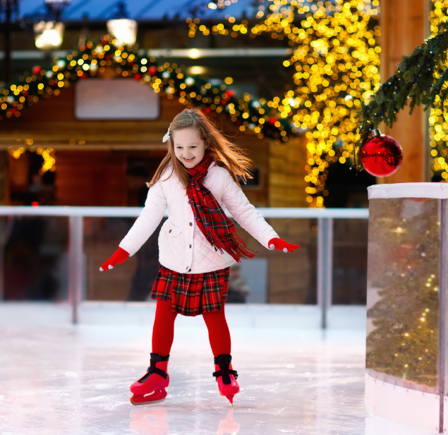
[{"x": 163, "y": 330}]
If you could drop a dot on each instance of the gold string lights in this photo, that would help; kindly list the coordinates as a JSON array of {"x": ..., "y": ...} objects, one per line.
[
  {"x": 438, "y": 119},
  {"x": 47, "y": 154},
  {"x": 334, "y": 66}
]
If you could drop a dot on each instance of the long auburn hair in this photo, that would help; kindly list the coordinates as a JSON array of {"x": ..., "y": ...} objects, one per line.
[{"x": 223, "y": 152}]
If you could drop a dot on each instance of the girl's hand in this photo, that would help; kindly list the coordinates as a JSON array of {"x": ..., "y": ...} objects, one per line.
[
  {"x": 281, "y": 244},
  {"x": 118, "y": 257}
]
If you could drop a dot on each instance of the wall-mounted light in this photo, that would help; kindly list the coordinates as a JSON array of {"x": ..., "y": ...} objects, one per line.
[
  {"x": 48, "y": 35},
  {"x": 123, "y": 28},
  {"x": 49, "y": 31},
  {"x": 196, "y": 70}
]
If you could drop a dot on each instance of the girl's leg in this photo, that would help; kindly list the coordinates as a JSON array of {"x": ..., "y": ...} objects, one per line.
[
  {"x": 151, "y": 387},
  {"x": 218, "y": 332},
  {"x": 163, "y": 330},
  {"x": 221, "y": 346}
]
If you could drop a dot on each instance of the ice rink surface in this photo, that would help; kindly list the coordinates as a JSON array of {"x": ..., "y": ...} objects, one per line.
[{"x": 63, "y": 379}]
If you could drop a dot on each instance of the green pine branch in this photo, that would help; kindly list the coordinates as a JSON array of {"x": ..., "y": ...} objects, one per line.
[{"x": 420, "y": 79}]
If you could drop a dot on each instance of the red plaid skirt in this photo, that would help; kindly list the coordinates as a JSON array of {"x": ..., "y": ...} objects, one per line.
[{"x": 192, "y": 294}]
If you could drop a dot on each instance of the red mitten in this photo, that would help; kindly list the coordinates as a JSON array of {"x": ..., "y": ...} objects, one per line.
[
  {"x": 282, "y": 245},
  {"x": 118, "y": 257}
]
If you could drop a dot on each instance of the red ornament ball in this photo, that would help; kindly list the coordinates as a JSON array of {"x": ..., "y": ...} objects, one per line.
[
  {"x": 230, "y": 93},
  {"x": 381, "y": 156},
  {"x": 207, "y": 110},
  {"x": 137, "y": 76},
  {"x": 152, "y": 70},
  {"x": 36, "y": 70},
  {"x": 272, "y": 121}
]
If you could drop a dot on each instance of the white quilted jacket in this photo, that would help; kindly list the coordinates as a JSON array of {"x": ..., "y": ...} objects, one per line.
[{"x": 182, "y": 246}]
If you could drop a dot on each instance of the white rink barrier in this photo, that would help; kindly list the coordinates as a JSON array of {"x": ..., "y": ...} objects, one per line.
[{"x": 325, "y": 217}]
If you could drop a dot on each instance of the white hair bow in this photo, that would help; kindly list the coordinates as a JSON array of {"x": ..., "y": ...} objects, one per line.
[{"x": 167, "y": 135}]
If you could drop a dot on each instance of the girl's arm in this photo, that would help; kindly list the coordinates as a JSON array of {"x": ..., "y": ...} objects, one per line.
[
  {"x": 143, "y": 227},
  {"x": 147, "y": 222},
  {"x": 245, "y": 213}
]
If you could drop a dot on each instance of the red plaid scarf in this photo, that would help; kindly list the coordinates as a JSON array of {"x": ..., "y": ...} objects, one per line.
[{"x": 217, "y": 228}]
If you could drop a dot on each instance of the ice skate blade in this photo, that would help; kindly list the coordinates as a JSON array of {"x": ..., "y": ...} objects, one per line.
[
  {"x": 156, "y": 397},
  {"x": 230, "y": 399},
  {"x": 147, "y": 402}
]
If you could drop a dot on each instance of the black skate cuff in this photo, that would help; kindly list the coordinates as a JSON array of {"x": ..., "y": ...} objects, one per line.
[{"x": 155, "y": 357}]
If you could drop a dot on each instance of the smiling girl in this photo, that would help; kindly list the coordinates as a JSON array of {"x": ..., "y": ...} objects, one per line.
[{"x": 197, "y": 244}]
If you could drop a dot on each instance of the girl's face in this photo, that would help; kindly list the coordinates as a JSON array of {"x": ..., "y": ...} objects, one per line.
[{"x": 189, "y": 147}]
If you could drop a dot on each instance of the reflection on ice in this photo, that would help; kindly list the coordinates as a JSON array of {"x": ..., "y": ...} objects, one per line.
[
  {"x": 75, "y": 381},
  {"x": 150, "y": 421},
  {"x": 228, "y": 426},
  {"x": 154, "y": 421}
]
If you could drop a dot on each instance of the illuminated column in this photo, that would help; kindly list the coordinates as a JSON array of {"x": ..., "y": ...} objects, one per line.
[{"x": 407, "y": 289}]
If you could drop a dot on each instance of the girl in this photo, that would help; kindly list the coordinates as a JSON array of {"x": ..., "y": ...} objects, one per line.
[{"x": 197, "y": 244}]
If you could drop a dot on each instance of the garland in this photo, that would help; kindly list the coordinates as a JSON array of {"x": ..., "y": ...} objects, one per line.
[{"x": 249, "y": 114}]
